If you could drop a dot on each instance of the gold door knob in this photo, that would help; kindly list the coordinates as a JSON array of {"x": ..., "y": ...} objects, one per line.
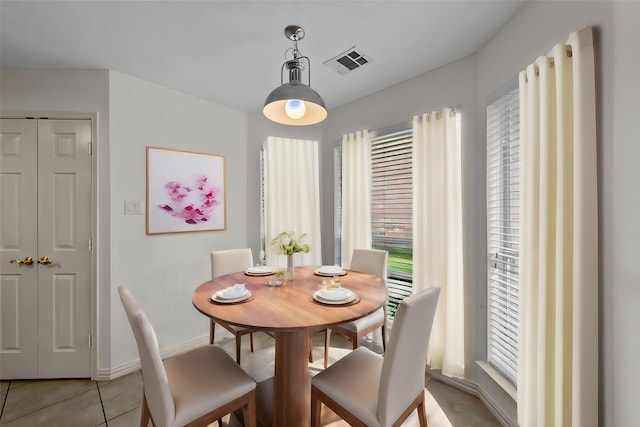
[
  {"x": 45, "y": 260},
  {"x": 27, "y": 261}
]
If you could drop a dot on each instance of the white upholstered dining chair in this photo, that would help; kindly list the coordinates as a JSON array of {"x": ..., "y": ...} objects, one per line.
[
  {"x": 193, "y": 388},
  {"x": 225, "y": 262},
  {"x": 372, "y": 261},
  {"x": 369, "y": 390}
]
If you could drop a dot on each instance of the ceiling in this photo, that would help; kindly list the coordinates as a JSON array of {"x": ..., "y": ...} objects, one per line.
[{"x": 231, "y": 52}]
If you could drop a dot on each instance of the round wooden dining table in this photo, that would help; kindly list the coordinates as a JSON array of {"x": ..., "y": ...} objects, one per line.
[{"x": 291, "y": 314}]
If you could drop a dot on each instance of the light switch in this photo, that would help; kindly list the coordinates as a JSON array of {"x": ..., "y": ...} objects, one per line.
[{"x": 132, "y": 207}]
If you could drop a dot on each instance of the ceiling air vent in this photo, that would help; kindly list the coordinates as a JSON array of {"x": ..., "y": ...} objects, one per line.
[{"x": 347, "y": 61}]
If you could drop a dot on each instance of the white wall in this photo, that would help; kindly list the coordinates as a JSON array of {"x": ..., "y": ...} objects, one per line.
[
  {"x": 621, "y": 284},
  {"x": 162, "y": 270}
]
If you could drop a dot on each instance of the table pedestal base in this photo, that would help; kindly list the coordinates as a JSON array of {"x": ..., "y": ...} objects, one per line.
[
  {"x": 291, "y": 385},
  {"x": 287, "y": 403}
]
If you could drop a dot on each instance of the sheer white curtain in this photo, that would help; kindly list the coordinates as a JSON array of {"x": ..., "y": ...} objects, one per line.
[
  {"x": 356, "y": 194},
  {"x": 558, "y": 350},
  {"x": 292, "y": 196},
  {"x": 437, "y": 232}
]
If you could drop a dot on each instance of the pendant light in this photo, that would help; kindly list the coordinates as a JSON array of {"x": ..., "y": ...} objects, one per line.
[{"x": 295, "y": 103}]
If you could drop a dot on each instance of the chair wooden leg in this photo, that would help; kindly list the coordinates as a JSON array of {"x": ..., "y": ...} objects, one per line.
[
  {"x": 146, "y": 414},
  {"x": 384, "y": 330},
  {"x": 327, "y": 344},
  {"x": 384, "y": 339},
  {"x": 249, "y": 411},
  {"x": 315, "y": 408},
  {"x": 251, "y": 340},
  {"x": 238, "y": 344},
  {"x": 422, "y": 413},
  {"x": 418, "y": 403},
  {"x": 355, "y": 341},
  {"x": 212, "y": 331}
]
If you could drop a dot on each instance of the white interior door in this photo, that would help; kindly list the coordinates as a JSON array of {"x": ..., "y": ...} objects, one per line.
[
  {"x": 46, "y": 214},
  {"x": 18, "y": 240}
]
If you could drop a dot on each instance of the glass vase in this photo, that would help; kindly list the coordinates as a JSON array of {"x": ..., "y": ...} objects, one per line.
[{"x": 288, "y": 274}]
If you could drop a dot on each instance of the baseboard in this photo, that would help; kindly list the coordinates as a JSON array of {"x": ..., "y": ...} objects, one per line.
[
  {"x": 127, "y": 368},
  {"x": 461, "y": 384},
  {"x": 119, "y": 371},
  {"x": 495, "y": 409},
  {"x": 475, "y": 390}
]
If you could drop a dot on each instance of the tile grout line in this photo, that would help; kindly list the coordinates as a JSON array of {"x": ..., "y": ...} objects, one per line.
[
  {"x": 49, "y": 405},
  {"x": 104, "y": 414},
  {"x": 4, "y": 401}
]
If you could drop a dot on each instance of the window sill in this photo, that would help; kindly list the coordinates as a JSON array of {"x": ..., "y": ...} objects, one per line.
[{"x": 496, "y": 376}]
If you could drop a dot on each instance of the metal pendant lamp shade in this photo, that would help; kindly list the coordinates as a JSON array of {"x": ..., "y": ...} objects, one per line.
[
  {"x": 293, "y": 95},
  {"x": 295, "y": 103}
]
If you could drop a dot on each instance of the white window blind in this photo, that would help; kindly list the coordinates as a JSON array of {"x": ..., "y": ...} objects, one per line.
[
  {"x": 391, "y": 206},
  {"x": 392, "y": 209},
  {"x": 503, "y": 225}
]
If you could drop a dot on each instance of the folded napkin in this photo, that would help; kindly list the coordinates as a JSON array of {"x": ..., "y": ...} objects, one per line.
[
  {"x": 330, "y": 269},
  {"x": 234, "y": 291},
  {"x": 334, "y": 294}
]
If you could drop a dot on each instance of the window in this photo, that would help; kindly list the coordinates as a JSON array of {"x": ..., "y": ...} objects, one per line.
[
  {"x": 503, "y": 226},
  {"x": 391, "y": 207},
  {"x": 277, "y": 192}
]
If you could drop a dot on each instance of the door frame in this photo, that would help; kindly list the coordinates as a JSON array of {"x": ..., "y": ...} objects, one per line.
[{"x": 57, "y": 115}]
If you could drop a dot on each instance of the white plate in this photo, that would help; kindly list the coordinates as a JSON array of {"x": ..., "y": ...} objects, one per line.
[
  {"x": 330, "y": 269},
  {"x": 231, "y": 293},
  {"x": 321, "y": 273},
  {"x": 260, "y": 271},
  {"x": 216, "y": 298},
  {"x": 347, "y": 300}
]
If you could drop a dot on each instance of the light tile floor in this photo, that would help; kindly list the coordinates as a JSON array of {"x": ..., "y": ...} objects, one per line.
[{"x": 116, "y": 403}]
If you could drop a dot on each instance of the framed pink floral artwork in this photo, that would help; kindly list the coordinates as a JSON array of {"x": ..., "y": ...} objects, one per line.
[{"x": 185, "y": 191}]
